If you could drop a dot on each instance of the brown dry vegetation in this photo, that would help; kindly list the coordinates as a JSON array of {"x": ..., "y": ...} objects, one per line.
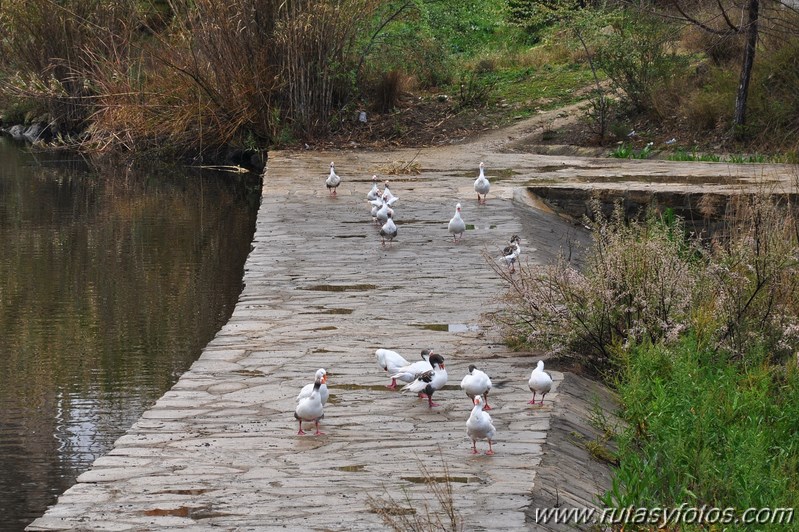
[{"x": 198, "y": 77}]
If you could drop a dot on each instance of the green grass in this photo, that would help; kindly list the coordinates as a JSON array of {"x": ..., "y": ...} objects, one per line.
[
  {"x": 704, "y": 428},
  {"x": 735, "y": 158},
  {"x": 545, "y": 87},
  {"x": 625, "y": 151}
]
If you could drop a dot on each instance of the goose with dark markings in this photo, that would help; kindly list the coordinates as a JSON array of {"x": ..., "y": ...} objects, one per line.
[
  {"x": 307, "y": 390},
  {"x": 511, "y": 253},
  {"x": 430, "y": 381},
  {"x": 311, "y": 408},
  {"x": 475, "y": 383},
  {"x": 389, "y": 229},
  {"x": 409, "y": 372}
]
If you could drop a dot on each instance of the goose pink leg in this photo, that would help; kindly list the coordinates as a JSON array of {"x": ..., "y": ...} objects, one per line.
[{"x": 490, "y": 450}]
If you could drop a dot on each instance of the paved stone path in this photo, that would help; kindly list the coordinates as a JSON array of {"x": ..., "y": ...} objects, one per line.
[{"x": 220, "y": 449}]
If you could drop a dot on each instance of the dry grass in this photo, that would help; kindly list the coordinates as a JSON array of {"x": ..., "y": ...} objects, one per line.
[
  {"x": 419, "y": 516},
  {"x": 401, "y": 168}
]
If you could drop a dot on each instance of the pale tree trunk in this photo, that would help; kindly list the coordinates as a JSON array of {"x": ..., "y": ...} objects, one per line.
[{"x": 746, "y": 68}]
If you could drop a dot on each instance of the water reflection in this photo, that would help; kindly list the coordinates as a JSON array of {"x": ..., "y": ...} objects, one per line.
[{"x": 111, "y": 283}]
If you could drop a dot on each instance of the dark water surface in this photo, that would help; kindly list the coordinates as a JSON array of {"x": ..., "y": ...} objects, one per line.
[{"x": 111, "y": 283}]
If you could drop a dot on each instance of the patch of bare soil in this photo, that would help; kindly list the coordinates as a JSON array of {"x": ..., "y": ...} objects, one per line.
[{"x": 428, "y": 120}]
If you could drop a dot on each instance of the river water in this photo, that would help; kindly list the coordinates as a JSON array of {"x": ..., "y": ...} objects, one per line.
[{"x": 111, "y": 283}]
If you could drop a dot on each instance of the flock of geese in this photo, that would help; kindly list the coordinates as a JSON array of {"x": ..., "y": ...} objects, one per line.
[{"x": 428, "y": 375}]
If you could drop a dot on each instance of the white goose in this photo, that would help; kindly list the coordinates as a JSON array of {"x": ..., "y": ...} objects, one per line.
[
  {"x": 333, "y": 181},
  {"x": 382, "y": 213},
  {"x": 481, "y": 185},
  {"x": 389, "y": 229},
  {"x": 388, "y": 197},
  {"x": 476, "y": 383},
  {"x": 374, "y": 193},
  {"x": 307, "y": 390},
  {"x": 479, "y": 426},
  {"x": 377, "y": 204},
  {"x": 391, "y": 362},
  {"x": 511, "y": 253},
  {"x": 311, "y": 408},
  {"x": 409, "y": 372},
  {"x": 429, "y": 381},
  {"x": 456, "y": 224},
  {"x": 540, "y": 382}
]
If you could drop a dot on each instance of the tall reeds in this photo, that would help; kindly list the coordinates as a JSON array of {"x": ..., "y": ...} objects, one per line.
[
  {"x": 49, "y": 48},
  {"x": 210, "y": 74}
]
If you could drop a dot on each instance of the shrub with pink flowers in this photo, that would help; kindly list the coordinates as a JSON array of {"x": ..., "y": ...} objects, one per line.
[{"x": 649, "y": 281}]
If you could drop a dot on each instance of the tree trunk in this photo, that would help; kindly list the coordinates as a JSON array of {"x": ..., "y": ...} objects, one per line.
[{"x": 746, "y": 68}]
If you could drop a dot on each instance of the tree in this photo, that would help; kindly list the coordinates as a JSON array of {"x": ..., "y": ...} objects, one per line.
[{"x": 750, "y": 12}]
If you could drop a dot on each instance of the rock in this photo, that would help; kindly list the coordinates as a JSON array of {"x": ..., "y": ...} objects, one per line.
[
  {"x": 35, "y": 133},
  {"x": 17, "y": 132}
]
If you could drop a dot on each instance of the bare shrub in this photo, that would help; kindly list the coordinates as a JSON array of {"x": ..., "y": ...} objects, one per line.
[
  {"x": 418, "y": 516},
  {"x": 388, "y": 90},
  {"x": 638, "y": 56},
  {"x": 648, "y": 282},
  {"x": 754, "y": 276},
  {"x": 636, "y": 286},
  {"x": 707, "y": 110},
  {"x": 51, "y": 46},
  {"x": 721, "y": 48}
]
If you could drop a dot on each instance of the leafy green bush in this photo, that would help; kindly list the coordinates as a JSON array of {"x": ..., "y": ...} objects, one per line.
[
  {"x": 636, "y": 56},
  {"x": 706, "y": 429},
  {"x": 466, "y": 27},
  {"x": 475, "y": 89},
  {"x": 536, "y": 15},
  {"x": 774, "y": 99}
]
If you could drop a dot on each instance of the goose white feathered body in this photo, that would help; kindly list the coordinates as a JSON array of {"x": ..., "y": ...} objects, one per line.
[
  {"x": 333, "y": 180},
  {"x": 540, "y": 382},
  {"x": 382, "y": 213},
  {"x": 391, "y": 362},
  {"x": 388, "y": 196},
  {"x": 475, "y": 383},
  {"x": 389, "y": 229},
  {"x": 408, "y": 372},
  {"x": 377, "y": 204},
  {"x": 479, "y": 426},
  {"x": 374, "y": 193},
  {"x": 456, "y": 224},
  {"x": 481, "y": 185},
  {"x": 511, "y": 253},
  {"x": 430, "y": 381},
  {"x": 307, "y": 390},
  {"x": 310, "y": 408}
]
